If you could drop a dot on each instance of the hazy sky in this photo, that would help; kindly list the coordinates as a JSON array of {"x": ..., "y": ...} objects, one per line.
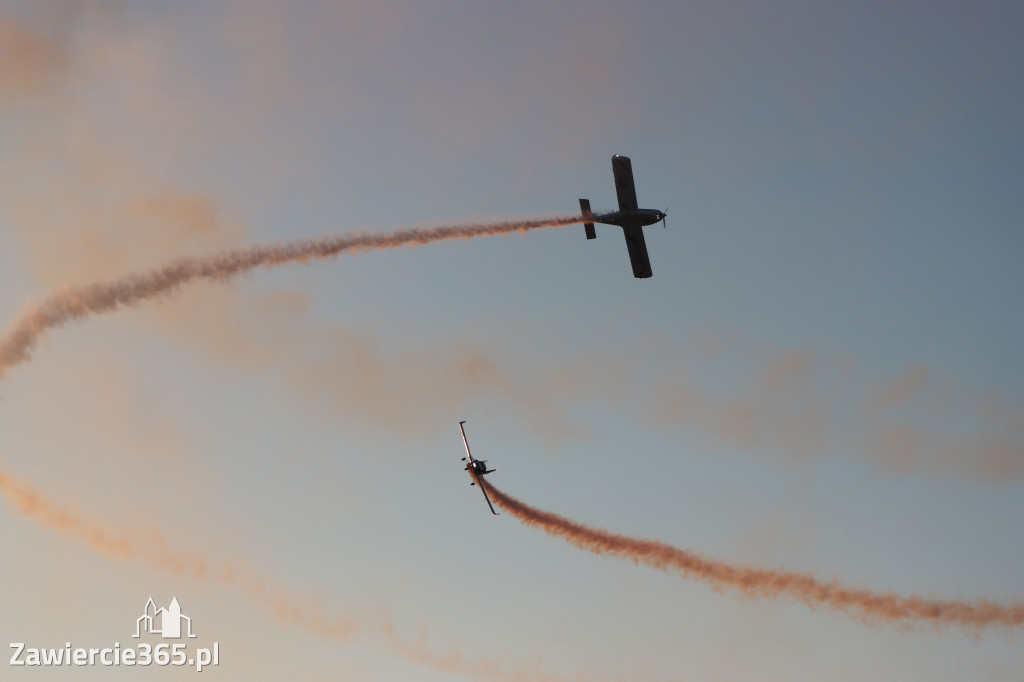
[{"x": 824, "y": 374}]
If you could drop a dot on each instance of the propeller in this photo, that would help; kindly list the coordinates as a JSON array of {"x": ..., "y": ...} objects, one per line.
[{"x": 664, "y": 214}]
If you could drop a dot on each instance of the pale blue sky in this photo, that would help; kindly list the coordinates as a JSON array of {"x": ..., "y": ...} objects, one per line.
[{"x": 841, "y": 262}]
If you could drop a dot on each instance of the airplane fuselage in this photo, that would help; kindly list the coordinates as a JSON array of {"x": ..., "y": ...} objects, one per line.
[
  {"x": 636, "y": 217},
  {"x": 478, "y": 467}
]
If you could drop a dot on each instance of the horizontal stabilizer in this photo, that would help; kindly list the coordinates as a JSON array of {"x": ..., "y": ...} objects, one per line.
[{"x": 588, "y": 227}]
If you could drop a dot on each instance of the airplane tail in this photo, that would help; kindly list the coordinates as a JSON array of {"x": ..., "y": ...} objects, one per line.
[{"x": 589, "y": 227}]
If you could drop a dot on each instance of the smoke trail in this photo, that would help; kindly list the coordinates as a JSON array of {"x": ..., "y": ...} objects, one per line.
[
  {"x": 472, "y": 665},
  {"x": 862, "y": 604},
  {"x": 73, "y": 303},
  {"x": 153, "y": 549},
  {"x": 272, "y": 597}
]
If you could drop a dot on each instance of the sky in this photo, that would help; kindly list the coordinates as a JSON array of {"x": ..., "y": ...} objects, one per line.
[{"x": 823, "y": 375}]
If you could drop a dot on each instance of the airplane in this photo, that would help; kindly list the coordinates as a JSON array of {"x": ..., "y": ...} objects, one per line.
[
  {"x": 630, "y": 218},
  {"x": 476, "y": 468}
]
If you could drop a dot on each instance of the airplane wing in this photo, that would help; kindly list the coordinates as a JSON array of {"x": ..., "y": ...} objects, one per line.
[
  {"x": 465, "y": 442},
  {"x": 624, "y": 187},
  {"x": 479, "y": 480},
  {"x": 637, "y": 252},
  {"x": 483, "y": 489}
]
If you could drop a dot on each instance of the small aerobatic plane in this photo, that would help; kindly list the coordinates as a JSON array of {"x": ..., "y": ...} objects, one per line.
[
  {"x": 630, "y": 218},
  {"x": 476, "y": 468}
]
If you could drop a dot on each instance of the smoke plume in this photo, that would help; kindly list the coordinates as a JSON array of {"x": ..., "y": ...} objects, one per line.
[
  {"x": 152, "y": 548},
  {"x": 763, "y": 583},
  {"x": 73, "y": 303},
  {"x": 31, "y": 60},
  {"x": 277, "y": 600}
]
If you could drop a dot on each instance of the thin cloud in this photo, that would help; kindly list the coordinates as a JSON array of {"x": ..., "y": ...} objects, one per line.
[
  {"x": 31, "y": 61},
  {"x": 910, "y": 384}
]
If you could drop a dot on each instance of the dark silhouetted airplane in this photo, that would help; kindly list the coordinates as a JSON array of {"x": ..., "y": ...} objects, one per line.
[
  {"x": 476, "y": 468},
  {"x": 630, "y": 218}
]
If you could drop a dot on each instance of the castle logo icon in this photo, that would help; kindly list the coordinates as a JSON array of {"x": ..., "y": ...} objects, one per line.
[{"x": 169, "y": 621}]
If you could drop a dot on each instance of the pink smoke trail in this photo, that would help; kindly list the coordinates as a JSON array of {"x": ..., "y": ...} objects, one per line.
[
  {"x": 73, "y": 303},
  {"x": 281, "y": 603},
  {"x": 765, "y": 583}
]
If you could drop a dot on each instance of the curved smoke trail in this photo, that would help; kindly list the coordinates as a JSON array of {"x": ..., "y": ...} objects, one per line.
[
  {"x": 281, "y": 603},
  {"x": 72, "y": 303},
  {"x": 865, "y": 605},
  {"x": 153, "y": 549}
]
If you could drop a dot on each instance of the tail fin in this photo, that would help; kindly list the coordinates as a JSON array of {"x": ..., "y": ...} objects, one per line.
[{"x": 589, "y": 227}]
